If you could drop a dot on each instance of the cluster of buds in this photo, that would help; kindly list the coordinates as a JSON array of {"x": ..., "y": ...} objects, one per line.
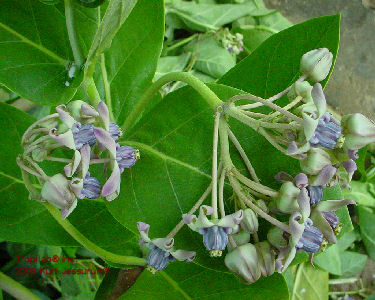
[
  {"x": 86, "y": 135},
  {"x": 232, "y": 42}
]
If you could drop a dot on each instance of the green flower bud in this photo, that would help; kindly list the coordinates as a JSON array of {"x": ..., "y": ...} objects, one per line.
[
  {"x": 240, "y": 238},
  {"x": 243, "y": 261},
  {"x": 302, "y": 89},
  {"x": 249, "y": 222},
  {"x": 262, "y": 205},
  {"x": 266, "y": 258},
  {"x": 275, "y": 237},
  {"x": 286, "y": 201},
  {"x": 316, "y": 64},
  {"x": 315, "y": 161},
  {"x": 359, "y": 131}
]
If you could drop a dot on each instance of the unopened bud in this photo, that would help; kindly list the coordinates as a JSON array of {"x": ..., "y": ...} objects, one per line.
[
  {"x": 315, "y": 161},
  {"x": 266, "y": 258},
  {"x": 276, "y": 237},
  {"x": 243, "y": 261},
  {"x": 249, "y": 222},
  {"x": 286, "y": 200},
  {"x": 359, "y": 131},
  {"x": 316, "y": 64},
  {"x": 302, "y": 89}
]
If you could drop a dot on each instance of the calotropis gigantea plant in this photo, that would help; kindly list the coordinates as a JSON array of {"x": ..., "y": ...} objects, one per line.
[{"x": 106, "y": 107}]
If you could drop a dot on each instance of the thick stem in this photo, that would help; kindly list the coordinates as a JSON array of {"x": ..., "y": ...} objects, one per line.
[
  {"x": 214, "y": 165},
  {"x": 237, "y": 189},
  {"x": 107, "y": 88},
  {"x": 69, "y": 16},
  {"x": 221, "y": 194},
  {"x": 178, "y": 227},
  {"x": 92, "y": 91},
  {"x": 208, "y": 95},
  {"x": 80, "y": 238},
  {"x": 244, "y": 157},
  {"x": 16, "y": 289}
]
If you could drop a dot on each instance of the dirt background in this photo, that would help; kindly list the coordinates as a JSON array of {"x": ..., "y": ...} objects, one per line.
[{"x": 352, "y": 85}]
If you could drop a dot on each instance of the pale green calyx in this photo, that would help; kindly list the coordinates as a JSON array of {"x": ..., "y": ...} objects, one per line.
[
  {"x": 249, "y": 222},
  {"x": 286, "y": 201},
  {"x": 315, "y": 161}
]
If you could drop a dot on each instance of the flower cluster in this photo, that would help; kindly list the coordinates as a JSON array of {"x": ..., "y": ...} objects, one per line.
[
  {"x": 88, "y": 136},
  {"x": 233, "y": 43}
]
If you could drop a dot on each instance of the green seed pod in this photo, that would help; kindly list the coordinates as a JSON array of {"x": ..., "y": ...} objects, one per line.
[
  {"x": 316, "y": 64},
  {"x": 243, "y": 261},
  {"x": 315, "y": 161},
  {"x": 249, "y": 222},
  {"x": 286, "y": 201},
  {"x": 275, "y": 237},
  {"x": 266, "y": 258}
]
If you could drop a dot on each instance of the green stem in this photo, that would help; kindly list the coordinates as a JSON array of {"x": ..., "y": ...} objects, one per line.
[
  {"x": 107, "y": 88},
  {"x": 16, "y": 289},
  {"x": 182, "y": 42},
  {"x": 207, "y": 94},
  {"x": 80, "y": 238},
  {"x": 69, "y": 16},
  {"x": 92, "y": 91}
]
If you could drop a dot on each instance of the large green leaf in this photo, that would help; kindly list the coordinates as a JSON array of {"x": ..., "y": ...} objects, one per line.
[
  {"x": 275, "y": 64},
  {"x": 310, "y": 283},
  {"x": 35, "y": 49},
  {"x": 361, "y": 193},
  {"x": 132, "y": 58},
  {"x": 26, "y": 221},
  {"x": 366, "y": 219},
  {"x": 193, "y": 282}
]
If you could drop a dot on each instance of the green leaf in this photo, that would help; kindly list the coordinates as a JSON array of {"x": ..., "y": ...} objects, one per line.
[
  {"x": 360, "y": 193},
  {"x": 116, "y": 14},
  {"x": 253, "y": 35},
  {"x": 311, "y": 283},
  {"x": 205, "y": 17},
  {"x": 132, "y": 58},
  {"x": 330, "y": 260},
  {"x": 26, "y": 221},
  {"x": 170, "y": 64},
  {"x": 35, "y": 49},
  {"x": 274, "y": 65},
  {"x": 190, "y": 281},
  {"x": 107, "y": 284},
  {"x": 352, "y": 263},
  {"x": 211, "y": 58},
  {"x": 366, "y": 223}
]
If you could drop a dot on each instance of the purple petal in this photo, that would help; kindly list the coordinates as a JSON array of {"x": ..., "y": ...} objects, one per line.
[
  {"x": 104, "y": 114},
  {"x": 319, "y": 99},
  {"x": 64, "y": 116},
  {"x": 88, "y": 110},
  {"x": 304, "y": 203},
  {"x": 106, "y": 140},
  {"x": 66, "y": 139},
  {"x": 325, "y": 175},
  {"x": 85, "y": 159},
  {"x": 301, "y": 180},
  {"x": 283, "y": 177},
  {"x": 112, "y": 187}
]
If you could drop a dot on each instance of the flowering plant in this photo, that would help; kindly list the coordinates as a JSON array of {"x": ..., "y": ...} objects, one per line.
[{"x": 216, "y": 157}]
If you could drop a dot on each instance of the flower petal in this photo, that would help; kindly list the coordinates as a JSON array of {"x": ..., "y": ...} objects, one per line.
[
  {"x": 332, "y": 205},
  {"x": 76, "y": 185},
  {"x": 66, "y": 212},
  {"x": 85, "y": 159},
  {"x": 111, "y": 188},
  {"x": 319, "y": 99},
  {"x": 88, "y": 110},
  {"x": 283, "y": 176},
  {"x": 143, "y": 229},
  {"x": 163, "y": 243},
  {"x": 106, "y": 140},
  {"x": 184, "y": 255},
  {"x": 303, "y": 200},
  {"x": 71, "y": 168},
  {"x": 230, "y": 221},
  {"x": 324, "y": 176},
  {"x": 64, "y": 116},
  {"x": 66, "y": 139},
  {"x": 104, "y": 114}
]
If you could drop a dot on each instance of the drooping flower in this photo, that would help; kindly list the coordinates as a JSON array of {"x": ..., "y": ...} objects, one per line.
[
  {"x": 215, "y": 232},
  {"x": 160, "y": 250},
  {"x": 311, "y": 239},
  {"x": 126, "y": 157},
  {"x": 83, "y": 134}
]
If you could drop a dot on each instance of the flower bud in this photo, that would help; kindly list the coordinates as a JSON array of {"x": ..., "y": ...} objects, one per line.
[
  {"x": 316, "y": 64},
  {"x": 315, "y": 161},
  {"x": 266, "y": 258},
  {"x": 57, "y": 191},
  {"x": 249, "y": 222},
  {"x": 286, "y": 200},
  {"x": 302, "y": 89},
  {"x": 243, "y": 261},
  {"x": 359, "y": 131},
  {"x": 276, "y": 237},
  {"x": 315, "y": 194},
  {"x": 240, "y": 238}
]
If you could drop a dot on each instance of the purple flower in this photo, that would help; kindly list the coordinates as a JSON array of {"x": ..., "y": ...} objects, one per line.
[
  {"x": 315, "y": 194},
  {"x": 83, "y": 134},
  {"x": 114, "y": 131},
  {"x": 326, "y": 133},
  {"x": 331, "y": 218},
  {"x": 215, "y": 237},
  {"x": 311, "y": 239},
  {"x": 91, "y": 187},
  {"x": 158, "y": 258},
  {"x": 125, "y": 157}
]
